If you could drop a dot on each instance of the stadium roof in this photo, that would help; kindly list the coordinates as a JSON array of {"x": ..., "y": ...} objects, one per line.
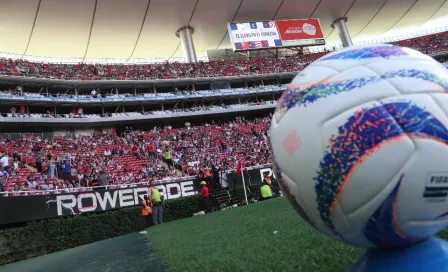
[{"x": 124, "y": 29}]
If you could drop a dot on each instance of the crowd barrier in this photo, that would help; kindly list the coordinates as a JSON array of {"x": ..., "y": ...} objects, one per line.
[
  {"x": 16, "y": 208},
  {"x": 85, "y": 122},
  {"x": 158, "y": 97}
]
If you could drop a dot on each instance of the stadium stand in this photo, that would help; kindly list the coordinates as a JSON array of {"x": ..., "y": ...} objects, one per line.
[
  {"x": 134, "y": 158},
  {"x": 138, "y": 156},
  {"x": 431, "y": 44}
]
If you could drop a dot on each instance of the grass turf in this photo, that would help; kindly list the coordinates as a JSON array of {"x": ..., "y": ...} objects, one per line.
[
  {"x": 243, "y": 239},
  {"x": 124, "y": 253},
  {"x": 240, "y": 239}
]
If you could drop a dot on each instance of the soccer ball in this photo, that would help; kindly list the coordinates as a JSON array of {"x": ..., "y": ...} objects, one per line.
[{"x": 360, "y": 145}]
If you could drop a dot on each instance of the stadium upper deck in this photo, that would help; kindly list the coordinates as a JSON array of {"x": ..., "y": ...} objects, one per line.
[
  {"x": 151, "y": 91},
  {"x": 431, "y": 44}
]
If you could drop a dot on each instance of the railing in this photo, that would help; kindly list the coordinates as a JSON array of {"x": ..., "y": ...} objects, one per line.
[
  {"x": 91, "y": 119},
  {"x": 118, "y": 186},
  {"x": 95, "y": 83},
  {"x": 16, "y": 136},
  {"x": 141, "y": 97},
  {"x": 91, "y": 188}
]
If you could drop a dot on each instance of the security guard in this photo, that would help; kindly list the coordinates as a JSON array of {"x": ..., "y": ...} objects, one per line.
[
  {"x": 147, "y": 210},
  {"x": 266, "y": 191},
  {"x": 157, "y": 215}
]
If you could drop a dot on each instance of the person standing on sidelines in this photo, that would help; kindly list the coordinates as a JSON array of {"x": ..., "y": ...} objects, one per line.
[
  {"x": 147, "y": 211},
  {"x": 266, "y": 191},
  {"x": 157, "y": 210},
  {"x": 204, "y": 197}
]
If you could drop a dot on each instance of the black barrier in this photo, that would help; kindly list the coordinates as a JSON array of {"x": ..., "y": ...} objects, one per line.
[
  {"x": 16, "y": 209},
  {"x": 251, "y": 177}
]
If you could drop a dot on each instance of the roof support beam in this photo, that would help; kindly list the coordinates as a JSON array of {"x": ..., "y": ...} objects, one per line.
[
  {"x": 341, "y": 27},
  {"x": 185, "y": 34}
]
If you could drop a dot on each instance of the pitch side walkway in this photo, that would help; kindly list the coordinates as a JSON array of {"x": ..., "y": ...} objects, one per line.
[{"x": 130, "y": 252}]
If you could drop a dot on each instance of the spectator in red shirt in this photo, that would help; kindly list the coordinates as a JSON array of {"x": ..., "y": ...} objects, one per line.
[
  {"x": 22, "y": 110},
  {"x": 134, "y": 149},
  {"x": 127, "y": 168},
  {"x": 204, "y": 197},
  {"x": 151, "y": 153}
]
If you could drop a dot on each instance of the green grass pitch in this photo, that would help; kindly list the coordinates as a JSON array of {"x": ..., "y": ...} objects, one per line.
[{"x": 266, "y": 236}]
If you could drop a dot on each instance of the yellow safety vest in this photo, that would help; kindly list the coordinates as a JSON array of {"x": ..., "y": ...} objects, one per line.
[
  {"x": 155, "y": 195},
  {"x": 266, "y": 191}
]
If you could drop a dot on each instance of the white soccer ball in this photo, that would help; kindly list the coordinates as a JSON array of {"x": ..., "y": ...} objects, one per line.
[{"x": 360, "y": 145}]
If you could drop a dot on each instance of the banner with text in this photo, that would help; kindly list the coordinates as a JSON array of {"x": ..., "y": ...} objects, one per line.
[
  {"x": 16, "y": 209},
  {"x": 254, "y": 35},
  {"x": 275, "y": 34},
  {"x": 251, "y": 177},
  {"x": 300, "y": 32}
]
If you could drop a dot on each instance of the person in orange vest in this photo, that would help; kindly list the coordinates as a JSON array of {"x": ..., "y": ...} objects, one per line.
[{"x": 147, "y": 211}]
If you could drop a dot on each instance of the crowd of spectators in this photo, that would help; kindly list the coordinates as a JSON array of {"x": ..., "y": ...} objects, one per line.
[
  {"x": 151, "y": 71},
  {"x": 213, "y": 145},
  {"x": 73, "y": 163},
  {"x": 34, "y": 165},
  {"x": 431, "y": 44}
]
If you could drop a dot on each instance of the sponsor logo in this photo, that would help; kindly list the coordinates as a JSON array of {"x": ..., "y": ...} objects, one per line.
[
  {"x": 309, "y": 29},
  {"x": 305, "y": 30},
  {"x": 268, "y": 171},
  {"x": 70, "y": 204},
  {"x": 293, "y": 30},
  {"x": 176, "y": 190},
  {"x": 436, "y": 185}
]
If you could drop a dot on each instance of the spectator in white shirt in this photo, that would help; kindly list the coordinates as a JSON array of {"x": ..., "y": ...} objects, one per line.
[
  {"x": 47, "y": 186},
  {"x": 5, "y": 163},
  {"x": 107, "y": 152}
]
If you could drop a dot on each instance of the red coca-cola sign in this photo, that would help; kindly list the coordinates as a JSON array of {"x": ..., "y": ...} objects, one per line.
[{"x": 303, "y": 29}]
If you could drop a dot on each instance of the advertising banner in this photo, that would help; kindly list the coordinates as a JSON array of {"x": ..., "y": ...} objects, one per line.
[
  {"x": 251, "y": 177},
  {"x": 304, "y": 29},
  {"x": 275, "y": 34},
  {"x": 300, "y": 32},
  {"x": 16, "y": 209}
]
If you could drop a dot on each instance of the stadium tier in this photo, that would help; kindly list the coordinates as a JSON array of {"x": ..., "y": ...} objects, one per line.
[
  {"x": 138, "y": 156},
  {"x": 431, "y": 45}
]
